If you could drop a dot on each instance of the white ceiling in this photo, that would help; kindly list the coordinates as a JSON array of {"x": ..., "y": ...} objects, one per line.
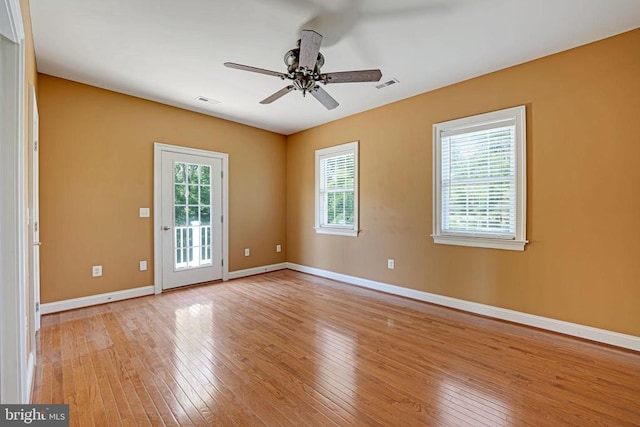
[{"x": 173, "y": 51}]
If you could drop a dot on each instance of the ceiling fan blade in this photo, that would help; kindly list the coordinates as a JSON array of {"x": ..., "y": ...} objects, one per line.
[
  {"x": 309, "y": 49},
  {"x": 324, "y": 98},
  {"x": 335, "y": 21},
  {"x": 279, "y": 94},
  {"x": 254, "y": 69},
  {"x": 352, "y": 76}
]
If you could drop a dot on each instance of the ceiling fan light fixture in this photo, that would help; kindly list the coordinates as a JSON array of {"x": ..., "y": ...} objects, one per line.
[
  {"x": 291, "y": 60},
  {"x": 304, "y": 83}
]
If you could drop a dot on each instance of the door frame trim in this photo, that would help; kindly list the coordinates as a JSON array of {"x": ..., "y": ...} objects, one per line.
[
  {"x": 158, "y": 149},
  {"x": 15, "y": 370}
]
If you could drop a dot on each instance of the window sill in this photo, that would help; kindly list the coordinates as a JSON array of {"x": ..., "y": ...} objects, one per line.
[
  {"x": 481, "y": 242},
  {"x": 337, "y": 231}
]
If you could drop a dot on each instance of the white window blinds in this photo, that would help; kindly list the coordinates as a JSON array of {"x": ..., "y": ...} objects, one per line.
[
  {"x": 479, "y": 181},
  {"x": 337, "y": 189}
]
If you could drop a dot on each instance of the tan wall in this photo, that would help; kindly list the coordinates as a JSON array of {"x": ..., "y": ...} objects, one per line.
[
  {"x": 583, "y": 213},
  {"x": 97, "y": 171},
  {"x": 31, "y": 75}
]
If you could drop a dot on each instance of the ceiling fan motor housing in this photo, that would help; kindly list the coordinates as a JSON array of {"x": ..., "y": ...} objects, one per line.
[{"x": 292, "y": 59}]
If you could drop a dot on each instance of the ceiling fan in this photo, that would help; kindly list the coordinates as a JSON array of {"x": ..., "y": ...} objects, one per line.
[{"x": 303, "y": 69}]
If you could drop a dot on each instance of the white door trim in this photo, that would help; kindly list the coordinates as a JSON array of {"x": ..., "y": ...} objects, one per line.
[
  {"x": 11, "y": 21},
  {"x": 34, "y": 218},
  {"x": 14, "y": 376},
  {"x": 158, "y": 149}
]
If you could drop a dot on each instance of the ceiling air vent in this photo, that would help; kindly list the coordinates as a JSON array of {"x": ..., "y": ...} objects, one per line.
[
  {"x": 208, "y": 100},
  {"x": 389, "y": 83}
]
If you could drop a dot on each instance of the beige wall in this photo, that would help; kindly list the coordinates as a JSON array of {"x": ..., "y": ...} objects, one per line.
[
  {"x": 30, "y": 55},
  {"x": 97, "y": 171},
  {"x": 583, "y": 216}
]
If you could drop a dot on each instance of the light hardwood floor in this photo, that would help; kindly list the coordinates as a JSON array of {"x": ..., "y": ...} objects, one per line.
[{"x": 286, "y": 348}]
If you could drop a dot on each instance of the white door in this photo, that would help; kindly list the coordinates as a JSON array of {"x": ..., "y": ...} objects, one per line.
[
  {"x": 191, "y": 210},
  {"x": 34, "y": 290}
]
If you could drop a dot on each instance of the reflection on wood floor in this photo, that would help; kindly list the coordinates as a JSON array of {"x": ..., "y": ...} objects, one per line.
[{"x": 287, "y": 348}]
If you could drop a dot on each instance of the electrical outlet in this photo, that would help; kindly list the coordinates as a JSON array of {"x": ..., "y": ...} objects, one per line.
[
  {"x": 144, "y": 212},
  {"x": 143, "y": 265},
  {"x": 391, "y": 264},
  {"x": 247, "y": 252},
  {"x": 96, "y": 271},
  {"x": 278, "y": 248}
]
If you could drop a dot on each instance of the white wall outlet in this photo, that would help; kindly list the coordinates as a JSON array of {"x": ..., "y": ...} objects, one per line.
[
  {"x": 143, "y": 265},
  {"x": 247, "y": 252},
  {"x": 278, "y": 248},
  {"x": 96, "y": 271},
  {"x": 391, "y": 264},
  {"x": 144, "y": 212}
]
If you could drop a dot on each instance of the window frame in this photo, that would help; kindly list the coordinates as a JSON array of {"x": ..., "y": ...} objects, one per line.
[
  {"x": 329, "y": 152},
  {"x": 516, "y": 114}
]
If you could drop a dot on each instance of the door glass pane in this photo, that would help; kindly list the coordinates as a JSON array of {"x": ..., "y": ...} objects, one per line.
[
  {"x": 194, "y": 216},
  {"x": 181, "y": 194},
  {"x": 193, "y": 194},
  {"x": 205, "y": 216},
  {"x": 192, "y": 221},
  {"x": 181, "y": 215},
  {"x": 179, "y": 172},
  {"x": 204, "y": 194},
  {"x": 192, "y": 174},
  {"x": 205, "y": 175}
]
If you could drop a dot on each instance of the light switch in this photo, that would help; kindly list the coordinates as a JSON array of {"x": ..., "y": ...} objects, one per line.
[{"x": 144, "y": 212}]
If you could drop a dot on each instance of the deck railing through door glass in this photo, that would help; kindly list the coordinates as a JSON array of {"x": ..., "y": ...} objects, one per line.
[{"x": 193, "y": 246}]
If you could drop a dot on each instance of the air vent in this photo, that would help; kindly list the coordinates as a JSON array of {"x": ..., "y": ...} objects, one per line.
[
  {"x": 208, "y": 100},
  {"x": 389, "y": 83}
]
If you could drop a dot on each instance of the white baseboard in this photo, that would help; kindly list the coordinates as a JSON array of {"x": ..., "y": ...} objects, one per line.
[
  {"x": 256, "y": 270},
  {"x": 587, "y": 332},
  {"x": 55, "y": 307},
  {"x": 70, "y": 304},
  {"x": 31, "y": 367}
]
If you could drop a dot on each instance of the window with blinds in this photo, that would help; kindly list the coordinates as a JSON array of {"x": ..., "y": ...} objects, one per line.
[
  {"x": 337, "y": 189},
  {"x": 479, "y": 180}
]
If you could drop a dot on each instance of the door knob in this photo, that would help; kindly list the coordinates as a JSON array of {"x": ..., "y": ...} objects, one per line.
[
  {"x": 166, "y": 228},
  {"x": 37, "y": 243}
]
